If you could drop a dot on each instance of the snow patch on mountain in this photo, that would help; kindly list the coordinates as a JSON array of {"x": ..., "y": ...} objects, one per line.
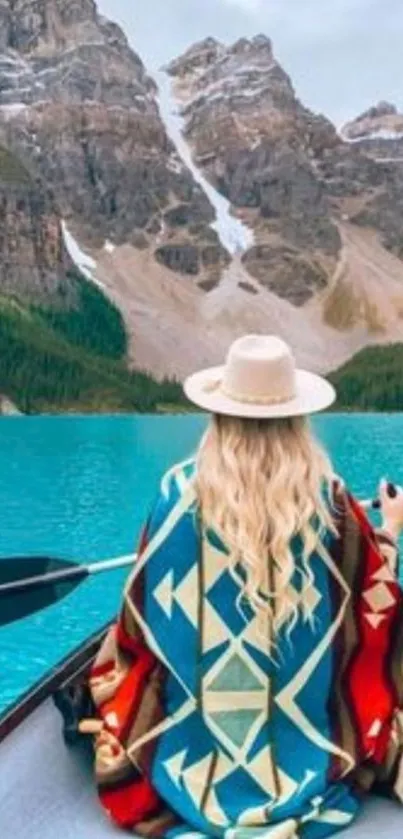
[
  {"x": 12, "y": 109},
  {"x": 233, "y": 234},
  {"x": 379, "y": 134},
  {"x": 233, "y": 84},
  {"x": 85, "y": 263}
]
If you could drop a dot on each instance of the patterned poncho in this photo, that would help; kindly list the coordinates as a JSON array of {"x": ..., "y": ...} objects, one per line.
[{"x": 205, "y": 733}]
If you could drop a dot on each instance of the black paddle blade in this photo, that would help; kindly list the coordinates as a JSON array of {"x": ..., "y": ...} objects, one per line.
[{"x": 30, "y": 584}]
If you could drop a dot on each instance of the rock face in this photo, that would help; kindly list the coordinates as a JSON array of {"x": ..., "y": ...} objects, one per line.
[
  {"x": 259, "y": 146},
  {"x": 219, "y": 83},
  {"x": 80, "y": 114},
  {"x": 77, "y": 102},
  {"x": 8, "y": 408},
  {"x": 380, "y": 123},
  {"x": 286, "y": 170},
  {"x": 33, "y": 261},
  {"x": 376, "y": 136}
]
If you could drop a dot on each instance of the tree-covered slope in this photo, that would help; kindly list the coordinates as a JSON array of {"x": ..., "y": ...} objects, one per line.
[
  {"x": 73, "y": 359},
  {"x": 371, "y": 381}
]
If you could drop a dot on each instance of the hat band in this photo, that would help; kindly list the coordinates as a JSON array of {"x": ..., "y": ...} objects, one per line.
[{"x": 248, "y": 398}]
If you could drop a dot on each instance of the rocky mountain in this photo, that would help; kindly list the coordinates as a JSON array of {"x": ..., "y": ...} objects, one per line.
[
  {"x": 380, "y": 127},
  {"x": 325, "y": 206},
  {"x": 206, "y": 199},
  {"x": 33, "y": 261},
  {"x": 378, "y": 134},
  {"x": 77, "y": 104},
  {"x": 259, "y": 145}
]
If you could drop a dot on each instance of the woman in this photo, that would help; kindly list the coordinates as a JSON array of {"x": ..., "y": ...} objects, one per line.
[{"x": 254, "y": 681}]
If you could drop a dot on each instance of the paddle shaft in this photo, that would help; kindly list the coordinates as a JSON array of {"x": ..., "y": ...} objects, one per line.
[{"x": 76, "y": 572}]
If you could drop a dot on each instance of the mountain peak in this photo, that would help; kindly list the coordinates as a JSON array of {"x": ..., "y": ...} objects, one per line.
[
  {"x": 199, "y": 55},
  {"x": 259, "y": 44},
  {"x": 206, "y": 63},
  {"x": 382, "y": 109},
  {"x": 208, "y": 43},
  {"x": 26, "y": 25},
  {"x": 380, "y": 122},
  {"x": 262, "y": 40}
]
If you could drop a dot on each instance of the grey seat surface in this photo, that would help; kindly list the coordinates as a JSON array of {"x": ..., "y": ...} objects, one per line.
[{"x": 46, "y": 791}]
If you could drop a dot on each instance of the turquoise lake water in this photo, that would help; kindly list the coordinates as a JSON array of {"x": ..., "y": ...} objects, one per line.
[{"x": 80, "y": 488}]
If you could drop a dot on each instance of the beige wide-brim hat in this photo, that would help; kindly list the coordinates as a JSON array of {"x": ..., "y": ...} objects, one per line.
[{"x": 259, "y": 379}]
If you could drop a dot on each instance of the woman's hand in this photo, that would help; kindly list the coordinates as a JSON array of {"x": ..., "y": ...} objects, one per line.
[
  {"x": 391, "y": 508},
  {"x": 91, "y": 726}
]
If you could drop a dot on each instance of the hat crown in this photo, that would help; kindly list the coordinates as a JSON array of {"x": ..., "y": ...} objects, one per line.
[
  {"x": 260, "y": 369},
  {"x": 259, "y": 379}
]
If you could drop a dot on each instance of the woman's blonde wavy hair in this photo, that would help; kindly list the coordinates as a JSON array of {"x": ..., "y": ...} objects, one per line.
[{"x": 259, "y": 484}]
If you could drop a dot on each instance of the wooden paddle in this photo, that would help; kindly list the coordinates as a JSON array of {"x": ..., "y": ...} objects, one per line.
[{"x": 30, "y": 584}]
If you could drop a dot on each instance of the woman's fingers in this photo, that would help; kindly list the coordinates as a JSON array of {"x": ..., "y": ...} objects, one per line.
[
  {"x": 91, "y": 726},
  {"x": 387, "y": 492},
  {"x": 383, "y": 491},
  {"x": 366, "y": 504},
  {"x": 391, "y": 497}
]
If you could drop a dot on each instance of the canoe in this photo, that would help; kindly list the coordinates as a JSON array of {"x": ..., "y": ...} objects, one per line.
[{"x": 47, "y": 788}]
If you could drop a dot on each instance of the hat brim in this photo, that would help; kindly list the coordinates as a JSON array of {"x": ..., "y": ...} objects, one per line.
[{"x": 313, "y": 394}]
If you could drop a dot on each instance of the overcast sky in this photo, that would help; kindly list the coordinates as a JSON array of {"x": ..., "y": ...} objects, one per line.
[{"x": 342, "y": 55}]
